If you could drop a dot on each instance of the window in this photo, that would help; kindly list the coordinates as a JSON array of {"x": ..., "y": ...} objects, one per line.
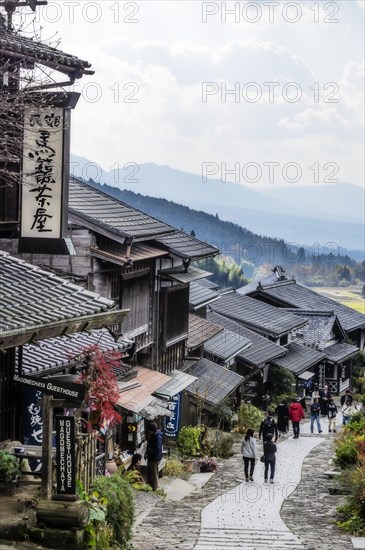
[
  {"x": 136, "y": 296},
  {"x": 175, "y": 313}
]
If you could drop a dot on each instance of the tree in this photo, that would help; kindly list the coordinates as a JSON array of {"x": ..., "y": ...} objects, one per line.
[{"x": 102, "y": 393}]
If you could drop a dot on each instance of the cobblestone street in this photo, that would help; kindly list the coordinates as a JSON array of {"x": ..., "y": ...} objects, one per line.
[{"x": 297, "y": 512}]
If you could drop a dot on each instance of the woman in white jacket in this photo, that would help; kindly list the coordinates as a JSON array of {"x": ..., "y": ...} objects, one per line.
[{"x": 249, "y": 453}]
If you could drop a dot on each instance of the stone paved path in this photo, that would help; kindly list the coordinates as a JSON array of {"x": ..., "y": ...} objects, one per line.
[{"x": 230, "y": 514}]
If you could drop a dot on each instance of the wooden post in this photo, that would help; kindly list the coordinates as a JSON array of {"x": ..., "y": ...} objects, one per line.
[{"x": 46, "y": 487}]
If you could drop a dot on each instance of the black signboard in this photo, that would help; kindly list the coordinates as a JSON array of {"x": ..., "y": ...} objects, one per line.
[
  {"x": 60, "y": 390},
  {"x": 65, "y": 455}
]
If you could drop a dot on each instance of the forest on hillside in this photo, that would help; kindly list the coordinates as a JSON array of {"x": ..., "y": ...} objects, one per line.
[{"x": 249, "y": 254}]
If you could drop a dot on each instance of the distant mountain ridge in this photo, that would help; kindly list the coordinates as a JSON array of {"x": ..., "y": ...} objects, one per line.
[{"x": 292, "y": 214}]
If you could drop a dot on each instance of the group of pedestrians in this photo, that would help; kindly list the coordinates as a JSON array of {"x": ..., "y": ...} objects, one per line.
[{"x": 322, "y": 406}]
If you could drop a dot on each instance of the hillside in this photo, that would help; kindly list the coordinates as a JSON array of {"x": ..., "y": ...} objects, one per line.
[
  {"x": 308, "y": 216},
  {"x": 245, "y": 247}
]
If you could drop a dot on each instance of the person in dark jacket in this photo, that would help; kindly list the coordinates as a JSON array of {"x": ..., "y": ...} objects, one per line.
[
  {"x": 296, "y": 414},
  {"x": 270, "y": 458},
  {"x": 282, "y": 411},
  {"x": 268, "y": 426},
  {"x": 324, "y": 396},
  {"x": 153, "y": 454},
  {"x": 315, "y": 415}
]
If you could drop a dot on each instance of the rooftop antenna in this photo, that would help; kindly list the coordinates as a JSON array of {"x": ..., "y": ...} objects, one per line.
[{"x": 10, "y": 6}]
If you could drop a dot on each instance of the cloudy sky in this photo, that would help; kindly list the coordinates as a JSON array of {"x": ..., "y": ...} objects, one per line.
[{"x": 262, "y": 93}]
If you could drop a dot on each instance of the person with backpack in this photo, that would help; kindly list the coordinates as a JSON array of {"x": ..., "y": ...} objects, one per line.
[
  {"x": 296, "y": 414},
  {"x": 332, "y": 413},
  {"x": 153, "y": 454},
  {"x": 348, "y": 409},
  {"x": 270, "y": 459},
  {"x": 268, "y": 426},
  {"x": 315, "y": 415},
  {"x": 249, "y": 453}
]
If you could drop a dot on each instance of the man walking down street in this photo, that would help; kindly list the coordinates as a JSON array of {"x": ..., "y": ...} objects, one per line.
[
  {"x": 296, "y": 414},
  {"x": 153, "y": 454}
]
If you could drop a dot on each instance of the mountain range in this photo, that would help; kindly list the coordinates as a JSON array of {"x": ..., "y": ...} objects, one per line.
[{"x": 329, "y": 217}]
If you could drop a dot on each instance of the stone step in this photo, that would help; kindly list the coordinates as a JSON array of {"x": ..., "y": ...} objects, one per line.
[{"x": 246, "y": 539}]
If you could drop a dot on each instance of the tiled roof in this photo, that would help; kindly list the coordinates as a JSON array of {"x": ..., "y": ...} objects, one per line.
[
  {"x": 261, "y": 350},
  {"x": 200, "y": 330},
  {"x": 118, "y": 255},
  {"x": 291, "y": 294},
  {"x": 90, "y": 206},
  {"x": 319, "y": 328},
  {"x": 186, "y": 246},
  {"x": 225, "y": 345},
  {"x": 36, "y": 304},
  {"x": 208, "y": 284},
  {"x": 23, "y": 47},
  {"x": 258, "y": 316},
  {"x": 178, "y": 382},
  {"x": 299, "y": 358},
  {"x": 55, "y": 353},
  {"x": 251, "y": 287},
  {"x": 137, "y": 395},
  {"x": 117, "y": 220},
  {"x": 214, "y": 383},
  {"x": 183, "y": 275},
  {"x": 340, "y": 351},
  {"x": 201, "y": 295}
]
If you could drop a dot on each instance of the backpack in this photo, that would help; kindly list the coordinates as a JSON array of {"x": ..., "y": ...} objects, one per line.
[{"x": 268, "y": 425}]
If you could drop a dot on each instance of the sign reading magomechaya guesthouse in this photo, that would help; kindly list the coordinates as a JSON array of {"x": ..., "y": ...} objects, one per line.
[
  {"x": 65, "y": 455},
  {"x": 45, "y": 182},
  {"x": 60, "y": 390}
]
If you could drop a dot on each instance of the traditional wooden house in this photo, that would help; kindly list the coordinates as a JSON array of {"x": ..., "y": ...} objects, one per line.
[
  {"x": 37, "y": 306},
  {"x": 331, "y": 329}
]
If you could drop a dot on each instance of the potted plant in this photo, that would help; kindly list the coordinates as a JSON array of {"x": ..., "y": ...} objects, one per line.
[
  {"x": 9, "y": 470},
  {"x": 188, "y": 445},
  {"x": 207, "y": 464}
]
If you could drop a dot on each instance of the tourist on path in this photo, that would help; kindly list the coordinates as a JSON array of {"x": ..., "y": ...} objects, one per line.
[
  {"x": 296, "y": 414},
  {"x": 315, "y": 415},
  {"x": 348, "y": 410},
  {"x": 270, "y": 458},
  {"x": 324, "y": 396},
  {"x": 153, "y": 454},
  {"x": 249, "y": 454},
  {"x": 282, "y": 410},
  {"x": 268, "y": 426},
  {"x": 315, "y": 393},
  {"x": 332, "y": 412}
]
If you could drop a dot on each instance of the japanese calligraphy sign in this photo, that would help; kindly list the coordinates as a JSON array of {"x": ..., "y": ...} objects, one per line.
[
  {"x": 171, "y": 424},
  {"x": 65, "y": 455},
  {"x": 42, "y": 188}
]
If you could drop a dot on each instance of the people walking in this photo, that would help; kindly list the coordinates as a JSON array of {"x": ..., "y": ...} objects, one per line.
[
  {"x": 249, "y": 454},
  {"x": 332, "y": 413},
  {"x": 315, "y": 393},
  {"x": 324, "y": 396},
  {"x": 348, "y": 409},
  {"x": 270, "y": 458},
  {"x": 315, "y": 415},
  {"x": 296, "y": 414},
  {"x": 268, "y": 426},
  {"x": 282, "y": 411},
  {"x": 153, "y": 454}
]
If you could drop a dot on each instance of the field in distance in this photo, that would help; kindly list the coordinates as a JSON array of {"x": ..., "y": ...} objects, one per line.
[{"x": 348, "y": 296}]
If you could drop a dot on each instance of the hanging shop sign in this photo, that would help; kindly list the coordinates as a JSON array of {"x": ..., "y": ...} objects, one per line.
[
  {"x": 60, "y": 390},
  {"x": 171, "y": 424},
  {"x": 65, "y": 455}
]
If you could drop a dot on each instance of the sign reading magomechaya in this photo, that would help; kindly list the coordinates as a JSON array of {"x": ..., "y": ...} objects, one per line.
[
  {"x": 60, "y": 390},
  {"x": 65, "y": 455}
]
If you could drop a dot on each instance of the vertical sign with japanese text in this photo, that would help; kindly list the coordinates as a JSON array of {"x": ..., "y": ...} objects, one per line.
[
  {"x": 65, "y": 455},
  {"x": 171, "y": 424},
  {"x": 42, "y": 187}
]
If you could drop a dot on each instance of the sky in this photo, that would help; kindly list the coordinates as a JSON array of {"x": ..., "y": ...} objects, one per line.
[{"x": 262, "y": 93}]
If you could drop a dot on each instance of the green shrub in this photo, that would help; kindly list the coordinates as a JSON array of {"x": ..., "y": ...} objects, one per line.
[
  {"x": 188, "y": 441},
  {"x": 120, "y": 505},
  {"x": 9, "y": 466},
  {"x": 224, "y": 445},
  {"x": 173, "y": 467},
  {"x": 249, "y": 416},
  {"x": 346, "y": 452}
]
